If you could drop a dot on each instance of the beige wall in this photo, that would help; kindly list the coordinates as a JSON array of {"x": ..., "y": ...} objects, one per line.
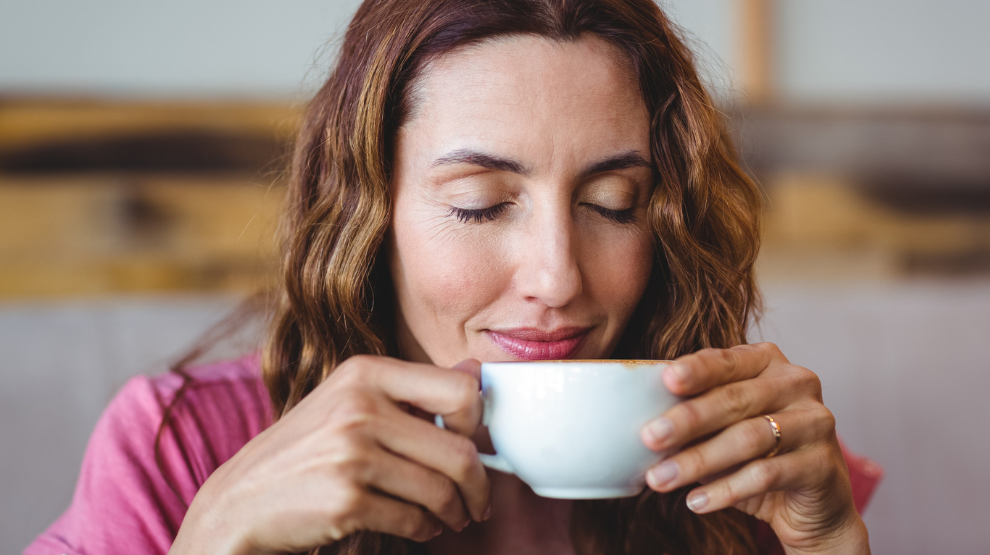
[{"x": 842, "y": 50}]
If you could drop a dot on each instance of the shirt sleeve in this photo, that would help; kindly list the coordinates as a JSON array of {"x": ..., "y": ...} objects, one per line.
[
  {"x": 122, "y": 502},
  {"x": 864, "y": 476}
]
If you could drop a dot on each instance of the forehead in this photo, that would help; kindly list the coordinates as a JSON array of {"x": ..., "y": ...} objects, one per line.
[{"x": 528, "y": 90}]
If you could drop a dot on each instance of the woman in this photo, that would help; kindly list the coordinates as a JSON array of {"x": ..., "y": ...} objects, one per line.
[{"x": 485, "y": 180}]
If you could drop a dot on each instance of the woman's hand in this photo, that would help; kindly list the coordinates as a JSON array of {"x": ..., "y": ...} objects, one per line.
[
  {"x": 721, "y": 438},
  {"x": 350, "y": 457}
]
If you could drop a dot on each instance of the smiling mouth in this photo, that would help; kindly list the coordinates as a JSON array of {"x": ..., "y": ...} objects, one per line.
[{"x": 535, "y": 344}]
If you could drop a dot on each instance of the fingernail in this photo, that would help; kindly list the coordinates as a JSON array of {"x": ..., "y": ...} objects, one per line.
[
  {"x": 465, "y": 524},
  {"x": 439, "y": 529},
  {"x": 697, "y": 501},
  {"x": 662, "y": 474},
  {"x": 677, "y": 371},
  {"x": 488, "y": 512},
  {"x": 660, "y": 429}
]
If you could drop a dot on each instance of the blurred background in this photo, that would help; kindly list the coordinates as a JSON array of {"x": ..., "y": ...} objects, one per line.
[{"x": 141, "y": 144}]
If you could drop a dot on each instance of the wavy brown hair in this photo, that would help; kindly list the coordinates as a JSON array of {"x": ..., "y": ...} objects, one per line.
[{"x": 336, "y": 296}]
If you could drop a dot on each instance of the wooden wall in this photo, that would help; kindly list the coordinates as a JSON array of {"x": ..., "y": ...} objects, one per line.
[{"x": 107, "y": 197}]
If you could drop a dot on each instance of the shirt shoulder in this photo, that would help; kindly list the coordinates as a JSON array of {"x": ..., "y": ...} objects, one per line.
[
  {"x": 152, "y": 449},
  {"x": 220, "y": 408}
]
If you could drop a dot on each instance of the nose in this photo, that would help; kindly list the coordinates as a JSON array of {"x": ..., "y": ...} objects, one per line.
[{"x": 548, "y": 271}]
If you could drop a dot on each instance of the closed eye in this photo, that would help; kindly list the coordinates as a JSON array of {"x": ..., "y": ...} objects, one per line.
[
  {"x": 618, "y": 216},
  {"x": 480, "y": 215}
]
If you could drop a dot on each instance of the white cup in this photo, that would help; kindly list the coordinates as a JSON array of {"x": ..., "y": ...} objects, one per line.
[{"x": 570, "y": 429}]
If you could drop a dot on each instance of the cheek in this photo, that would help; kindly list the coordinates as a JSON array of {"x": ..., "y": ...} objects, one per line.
[
  {"x": 620, "y": 273},
  {"x": 444, "y": 278}
]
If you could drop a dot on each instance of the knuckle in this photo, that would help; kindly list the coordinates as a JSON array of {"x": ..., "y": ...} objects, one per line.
[
  {"x": 769, "y": 353},
  {"x": 825, "y": 421},
  {"x": 345, "y": 506},
  {"x": 336, "y": 532},
  {"x": 448, "y": 500},
  {"x": 689, "y": 413},
  {"x": 770, "y": 350},
  {"x": 810, "y": 380},
  {"x": 338, "y": 528},
  {"x": 702, "y": 353},
  {"x": 728, "y": 491},
  {"x": 353, "y": 364},
  {"x": 695, "y": 463},
  {"x": 465, "y": 390},
  {"x": 343, "y": 375},
  {"x": 735, "y": 399},
  {"x": 354, "y": 411},
  {"x": 697, "y": 359},
  {"x": 727, "y": 357},
  {"x": 763, "y": 474},
  {"x": 350, "y": 463},
  {"x": 359, "y": 369},
  {"x": 360, "y": 360},
  {"x": 754, "y": 436},
  {"x": 715, "y": 356},
  {"x": 418, "y": 527},
  {"x": 765, "y": 347},
  {"x": 464, "y": 455}
]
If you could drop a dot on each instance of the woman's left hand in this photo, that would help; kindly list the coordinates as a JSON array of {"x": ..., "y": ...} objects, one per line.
[{"x": 721, "y": 438}]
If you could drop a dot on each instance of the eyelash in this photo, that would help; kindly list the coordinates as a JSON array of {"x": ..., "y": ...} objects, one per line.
[
  {"x": 618, "y": 216},
  {"x": 480, "y": 215},
  {"x": 477, "y": 216}
]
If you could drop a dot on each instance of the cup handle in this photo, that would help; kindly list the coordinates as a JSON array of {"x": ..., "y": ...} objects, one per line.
[{"x": 495, "y": 462}]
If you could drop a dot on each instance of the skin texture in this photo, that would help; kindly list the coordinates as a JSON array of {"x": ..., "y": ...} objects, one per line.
[
  {"x": 549, "y": 259},
  {"x": 569, "y": 249}
]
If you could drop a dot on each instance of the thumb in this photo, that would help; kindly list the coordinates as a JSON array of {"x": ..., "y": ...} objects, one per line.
[{"x": 469, "y": 366}]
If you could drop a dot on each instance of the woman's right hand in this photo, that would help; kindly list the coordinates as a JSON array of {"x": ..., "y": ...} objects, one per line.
[{"x": 350, "y": 457}]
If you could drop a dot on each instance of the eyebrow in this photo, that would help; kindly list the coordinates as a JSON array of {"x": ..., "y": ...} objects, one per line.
[
  {"x": 626, "y": 160},
  {"x": 631, "y": 159},
  {"x": 466, "y": 156}
]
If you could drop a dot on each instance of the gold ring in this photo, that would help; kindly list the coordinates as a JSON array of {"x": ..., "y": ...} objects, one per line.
[{"x": 776, "y": 435}]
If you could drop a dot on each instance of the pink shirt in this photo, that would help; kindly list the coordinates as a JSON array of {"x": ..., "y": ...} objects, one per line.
[{"x": 124, "y": 505}]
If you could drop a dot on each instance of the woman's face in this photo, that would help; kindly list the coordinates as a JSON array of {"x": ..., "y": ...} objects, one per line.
[{"x": 520, "y": 190}]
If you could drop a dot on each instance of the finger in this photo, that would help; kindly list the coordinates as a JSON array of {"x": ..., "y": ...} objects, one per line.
[
  {"x": 469, "y": 366},
  {"x": 467, "y": 421},
  {"x": 380, "y": 513},
  {"x": 419, "y": 485},
  {"x": 698, "y": 372},
  {"x": 450, "y": 454},
  {"x": 726, "y": 404},
  {"x": 734, "y": 446},
  {"x": 451, "y": 393},
  {"x": 693, "y": 418},
  {"x": 785, "y": 472}
]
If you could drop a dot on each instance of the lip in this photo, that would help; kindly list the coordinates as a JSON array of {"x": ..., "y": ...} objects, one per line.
[{"x": 537, "y": 344}]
